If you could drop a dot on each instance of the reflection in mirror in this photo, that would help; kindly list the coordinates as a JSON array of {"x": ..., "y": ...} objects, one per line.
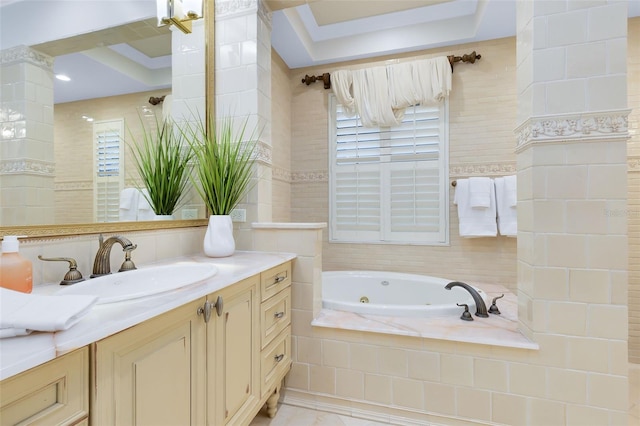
[{"x": 120, "y": 80}]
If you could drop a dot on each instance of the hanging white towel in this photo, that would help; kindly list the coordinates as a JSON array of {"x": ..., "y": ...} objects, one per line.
[
  {"x": 145, "y": 212},
  {"x": 474, "y": 222},
  {"x": 480, "y": 192},
  {"x": 507, "y": 212},
  {"x": 511, "y": 189},
  {"x": 22, "y": 313},
  {"x": 129, "y": 204}
]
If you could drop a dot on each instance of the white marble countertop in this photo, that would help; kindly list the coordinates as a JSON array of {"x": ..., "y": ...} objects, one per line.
[
  {"x": 19, "y": 354},
  {"x": 497, "y": 330}
]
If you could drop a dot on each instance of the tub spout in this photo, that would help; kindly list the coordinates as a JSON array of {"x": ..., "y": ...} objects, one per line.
[{"x": 481, "y": 308}]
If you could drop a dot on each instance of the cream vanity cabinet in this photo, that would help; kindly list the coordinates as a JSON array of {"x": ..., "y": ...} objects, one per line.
[
  {"x": 214, "y": 361},
  {"x": 55, "y": 393}
]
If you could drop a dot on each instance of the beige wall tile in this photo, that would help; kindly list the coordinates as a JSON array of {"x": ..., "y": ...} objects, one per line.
[
  {"x": 322, "y": 379},
  {"x": 392, "y": 362},
  {"x": 377, "y": 388},
  {"x": 508, "y": 409},
  {"x": 364, "y": 357},
  {"x": 335, "y": 354},
  {"x": 527, "y": 379},
  {"x": 565, "y": 250},
  {"x": 408, "y": 393},
  {"x": 547, "y": 413},
  {"x": 611, "y": 392},
  {"x": 589, "y": 286},
  {"x": 608, "y": 321},
  {"x": 439, "y": 398},
  {"x": 588, "y": 354},
  {"x": 584, "y": 415},
  {"x": 309, "y": 350},
  {"x": 456, "y": 370},
  {"x": 490, "y": 374},
  {"x": 349, "y": 383},
  {"x": 473, "y": 404},
  {"x": 567, "y": 318},
  {"x": 567, "y": 385},
  {"x": 298, "y": 377},
  {"x": 423, "y": 365}
]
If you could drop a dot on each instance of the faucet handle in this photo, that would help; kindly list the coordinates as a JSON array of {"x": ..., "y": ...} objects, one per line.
[
  {"x": 73, "y": 275},
  {"x": 128, "y": 264},
  {"x": 466, "y": 315},
  {"x": 493, "y": 309}
]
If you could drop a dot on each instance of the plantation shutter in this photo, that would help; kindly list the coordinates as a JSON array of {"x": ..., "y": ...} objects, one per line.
[
  {"x": 109, "y": 170},
  {"x": 389, "y": 184}
]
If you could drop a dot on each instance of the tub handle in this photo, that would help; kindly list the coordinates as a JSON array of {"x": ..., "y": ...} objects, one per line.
[
  {"x": 493, "y": 309},
  {"x": 466, "y": 315},
  {"x": 279, "y": 358}
]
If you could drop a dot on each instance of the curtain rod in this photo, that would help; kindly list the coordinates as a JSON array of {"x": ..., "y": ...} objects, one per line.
[{"x": 326, "y": 77}]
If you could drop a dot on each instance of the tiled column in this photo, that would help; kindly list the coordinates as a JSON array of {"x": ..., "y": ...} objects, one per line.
[
  {"x": 571, "y": 158},
  {"x": 243, "y": 90},
  {"x": 26, "y": 142}
]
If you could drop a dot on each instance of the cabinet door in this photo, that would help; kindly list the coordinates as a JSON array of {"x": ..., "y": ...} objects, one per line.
[
  {"x": 152, "y": 374},
  {"x": 235, "y": 339}
]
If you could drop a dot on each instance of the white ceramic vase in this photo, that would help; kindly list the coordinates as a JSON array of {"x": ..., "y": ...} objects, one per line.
[
  {"x": 218, "y": 240},
  {"x": 163, "y": 217}
]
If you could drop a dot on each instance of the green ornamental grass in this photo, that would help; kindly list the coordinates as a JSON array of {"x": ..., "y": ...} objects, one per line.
[
  {"x": 162, "y": 158},
  {"x": 223, "y": 163}
]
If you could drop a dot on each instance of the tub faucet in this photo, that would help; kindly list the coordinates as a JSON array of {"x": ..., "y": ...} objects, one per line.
[
  {"x": 102, "y": 262},
  {"x": 481, "y": 308}
]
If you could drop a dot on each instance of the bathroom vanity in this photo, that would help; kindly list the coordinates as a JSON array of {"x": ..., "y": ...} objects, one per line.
[{"x": 211, "y": 354}]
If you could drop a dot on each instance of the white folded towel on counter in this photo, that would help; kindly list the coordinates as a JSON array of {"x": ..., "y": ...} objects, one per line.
[
  {"x": 506, "y": 206},
  {"x": 475, "y": 222},
  {"x": 22, "y": 313},
  {"x": 480, "y": 192}
]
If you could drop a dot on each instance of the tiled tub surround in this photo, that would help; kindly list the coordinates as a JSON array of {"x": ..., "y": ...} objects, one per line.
[
  {"x": 21, "y": 353},
  {"x": 401, "y": 378}
]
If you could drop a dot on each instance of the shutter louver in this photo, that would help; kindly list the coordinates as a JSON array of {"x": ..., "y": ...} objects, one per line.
[
  {"x": 109, "y": 179},
  {"x": 387, "y": 184}
]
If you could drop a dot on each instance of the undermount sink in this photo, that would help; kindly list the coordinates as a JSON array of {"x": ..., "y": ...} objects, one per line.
[{"x": 142, "y": 282}]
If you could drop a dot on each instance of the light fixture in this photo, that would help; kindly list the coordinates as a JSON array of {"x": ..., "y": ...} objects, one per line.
[
  {"x": 179, "y": 12},
  {"x": 63, "y": 77}
]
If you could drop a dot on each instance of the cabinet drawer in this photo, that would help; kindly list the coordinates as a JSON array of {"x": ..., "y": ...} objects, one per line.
[
  {"x": 276, "y": 315},
  {"x": 276, "y": 361},
  {"x": 275, "y": 279},
  {"x": 53, "y": 393}
]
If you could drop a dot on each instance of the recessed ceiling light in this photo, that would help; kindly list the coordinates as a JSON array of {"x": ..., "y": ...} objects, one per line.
[{"x": 62, "y": 77}]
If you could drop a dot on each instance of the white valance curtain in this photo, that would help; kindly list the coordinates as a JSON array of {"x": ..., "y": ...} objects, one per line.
[{"x": 379, "y": 95}]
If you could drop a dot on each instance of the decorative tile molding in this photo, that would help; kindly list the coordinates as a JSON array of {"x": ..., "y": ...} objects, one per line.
[
  {"x": 633, "y": 164},
  {"x": 26, "y": 54},
  {"x": 281, "y": 174},
  {"x": 262, "y": 153},
  {"x": 310, "y": 177},
  {"x": 79, "y": 185},
  {"x": 226, "y": 9},
  {"x": 27, "y": 166},
  {"x": 482, "y": 169},
  {"x": 603, "y": 125}
]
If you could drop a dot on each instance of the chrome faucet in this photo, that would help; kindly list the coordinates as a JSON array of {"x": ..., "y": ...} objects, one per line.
[
  {"x": 102, "y": 262},
  {"x": 481, "y": 308}
]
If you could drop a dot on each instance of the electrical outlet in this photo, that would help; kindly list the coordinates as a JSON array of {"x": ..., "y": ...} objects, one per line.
[
  {"x": 189, "y": 214},
  {"x": 238, "y": 215}
]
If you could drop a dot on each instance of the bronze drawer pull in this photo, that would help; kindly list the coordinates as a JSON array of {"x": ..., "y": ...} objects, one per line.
[
  {"x": 280, "y": 279},
  {"x": 278, "y": 314},
  {"x": 279, "y": 358}
]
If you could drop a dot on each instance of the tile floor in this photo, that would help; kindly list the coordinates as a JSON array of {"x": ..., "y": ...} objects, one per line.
[{"x": 296, "y": 416}]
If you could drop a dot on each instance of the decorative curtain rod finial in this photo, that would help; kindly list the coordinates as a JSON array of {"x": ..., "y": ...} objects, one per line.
[{"x": 326, "y": 79}]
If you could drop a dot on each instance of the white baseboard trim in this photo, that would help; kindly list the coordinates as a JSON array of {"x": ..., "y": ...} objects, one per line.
[{"x": 371, "y": 411}]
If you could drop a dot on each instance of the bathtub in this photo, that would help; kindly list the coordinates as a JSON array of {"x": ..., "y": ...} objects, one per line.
[{"x": 394, "y": 294}]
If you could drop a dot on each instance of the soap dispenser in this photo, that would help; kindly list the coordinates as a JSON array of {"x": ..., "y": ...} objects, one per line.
[{"x": 15, "y": 270}]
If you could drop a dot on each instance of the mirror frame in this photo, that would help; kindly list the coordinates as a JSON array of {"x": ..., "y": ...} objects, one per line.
[{"x": 51, "y": 231}]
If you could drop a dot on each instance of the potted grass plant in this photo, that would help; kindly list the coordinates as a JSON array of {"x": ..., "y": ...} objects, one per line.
[
  {"x": 162, "y": 158},
  {"x": 223, "y": 172}
]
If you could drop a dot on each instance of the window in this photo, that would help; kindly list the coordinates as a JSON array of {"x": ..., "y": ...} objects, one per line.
[
  {"x": 389, "y": 185},
  {"x": 108, "y": 169}
]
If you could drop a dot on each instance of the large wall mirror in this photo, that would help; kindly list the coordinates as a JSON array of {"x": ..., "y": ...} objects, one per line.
[{"x": 122, "y": 70}]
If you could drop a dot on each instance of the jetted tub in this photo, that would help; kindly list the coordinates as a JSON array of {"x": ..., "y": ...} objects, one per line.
[{"x": 394, "y": 294}]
